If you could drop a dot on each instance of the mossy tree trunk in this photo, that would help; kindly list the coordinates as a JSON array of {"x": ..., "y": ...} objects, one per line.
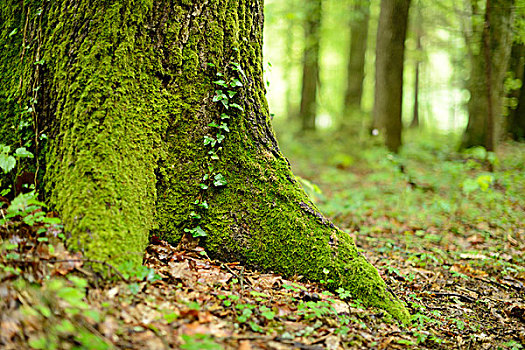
[
  {"x": 160, "y": 124},
  {"x": 356, "y": 58},
  {"x": 310, "y": 80},
  {"x": 489, "y": 51},
  {"x": 390, "y": 57}
]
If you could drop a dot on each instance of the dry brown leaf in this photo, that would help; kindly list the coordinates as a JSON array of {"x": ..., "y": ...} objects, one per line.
[{"x": 245, "y": 345}]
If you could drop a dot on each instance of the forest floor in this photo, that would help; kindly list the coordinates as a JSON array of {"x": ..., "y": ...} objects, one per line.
[{"x": 446, "y": 235}]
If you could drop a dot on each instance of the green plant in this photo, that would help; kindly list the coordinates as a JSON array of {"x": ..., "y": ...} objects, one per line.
[
  {"x": 8, "y": 162},
  {"x": 199, "y": 342}
]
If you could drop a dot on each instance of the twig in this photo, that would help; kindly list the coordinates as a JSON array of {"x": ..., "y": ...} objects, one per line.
[
  {"x": 6, "y": 225},
  {"x": 460, "y": 296},
  {"x": 225, "y": 266},
  {"x": 496, "y": 283}
]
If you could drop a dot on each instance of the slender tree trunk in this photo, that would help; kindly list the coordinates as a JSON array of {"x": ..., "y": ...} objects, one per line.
[
  {"x": 390, "y": 54},
  {"x": 159, "y": 123},
  {"x": 312, "y": 26},
  {"x": 489, "y": 135},
  {"x": 516, "y": 118},
  {"x": 356, "y": 58},
  {"x": 490, "y": 47},
  {"x": 291, "y": 112},
  {"x": 419, "y": 49}
]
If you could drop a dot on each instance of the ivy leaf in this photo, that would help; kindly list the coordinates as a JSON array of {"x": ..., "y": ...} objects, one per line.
[
  {"x": 220, "y": 138},
  {"x": 221, "y": 83},
  {"x": 209, "y": 141},
  {"x": 196, "y": 232},
  {"x": 220, "y": 180},
  {"x": 22, "y": 152},
  {"x": 232, "y": 93},
  {"x": 225, "y": 116},
  {"x": 196, "y": 216},
  {"x": 203, "y": 186},
  {"x": 235, "y": 105},
  {"x": 224, "y": 127},
  {"x": 7, "y": 163},
  {"x": 235, "y": 83}
]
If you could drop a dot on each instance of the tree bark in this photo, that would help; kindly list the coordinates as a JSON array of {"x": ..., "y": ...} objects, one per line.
[
  {"x": 490, "y": 51},
  {"x": 356, "y": 58},
  {"x": 312, "y": 38},
  {"x": 160, "y": 125},
  {"x": 390, "y": 55},
  {"x": 516, "y": 118}
]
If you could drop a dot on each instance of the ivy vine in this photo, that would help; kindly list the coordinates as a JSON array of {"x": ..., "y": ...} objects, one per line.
[{"x": 226, "y": 90}]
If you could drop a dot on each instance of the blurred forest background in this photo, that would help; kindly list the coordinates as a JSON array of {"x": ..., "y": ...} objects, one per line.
[
  {"x": 424, "y": 148},
  {"x": 322, "y": 58},
  {"x": 392, "y": 132}
]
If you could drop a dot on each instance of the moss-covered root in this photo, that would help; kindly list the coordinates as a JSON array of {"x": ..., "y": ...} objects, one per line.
[
  {"x": 363, "y": 280},
  {"x": 102, "y": 159}
]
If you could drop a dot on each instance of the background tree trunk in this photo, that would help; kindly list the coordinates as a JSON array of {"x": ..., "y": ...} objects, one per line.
[
  {"x": 390, "y": 54},
  {"x": 419, "y": 34},
  {"x": 516, "y": 118},
  {"x": 160, "y": 123},
  {"x": 356, "y": 58},
  {"x": 312, "y": 27},
  {"x": 499, "y": 36}
]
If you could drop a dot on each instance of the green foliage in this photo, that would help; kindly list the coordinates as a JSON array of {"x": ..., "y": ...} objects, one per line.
[
  {"x": 132, "y": 271},
  {"x": 199, "y": 342},
  {"x": 60, "y": 305},
  {"x": 223, "y": 95}
]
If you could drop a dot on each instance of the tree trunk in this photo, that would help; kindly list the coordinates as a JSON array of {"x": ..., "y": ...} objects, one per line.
[
  {"x": 419, "y": 51},
  {"x": 160, "y": 124},
  {"x": 390, "y": 55},
  {"x": 490, "y": 44},
  {"x": 516, "y": 118},
  {"x": 289, "y": 61},
  {"x": 312, "y": 27},
  {"x": 356, "y": 59}
]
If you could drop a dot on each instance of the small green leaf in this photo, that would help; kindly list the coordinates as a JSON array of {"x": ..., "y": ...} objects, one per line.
[
  {"x": 235, "y": 105},
  {"x": 220, "y": 180},
  {"x": 235, "y": 83},
  {"x": 196, "y": 232},
  {"x": 209, "y": 141},
  {"x": 72, "y": 295},
  {"x": 224, "y": 127},
  {"x": 7, "y": 163},
  {"x": 221, "y": 83},
  {"x": 194, "y": 215}
]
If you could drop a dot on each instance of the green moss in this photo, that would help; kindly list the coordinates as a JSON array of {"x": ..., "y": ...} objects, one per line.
[{"x": 101, "y": 174}]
